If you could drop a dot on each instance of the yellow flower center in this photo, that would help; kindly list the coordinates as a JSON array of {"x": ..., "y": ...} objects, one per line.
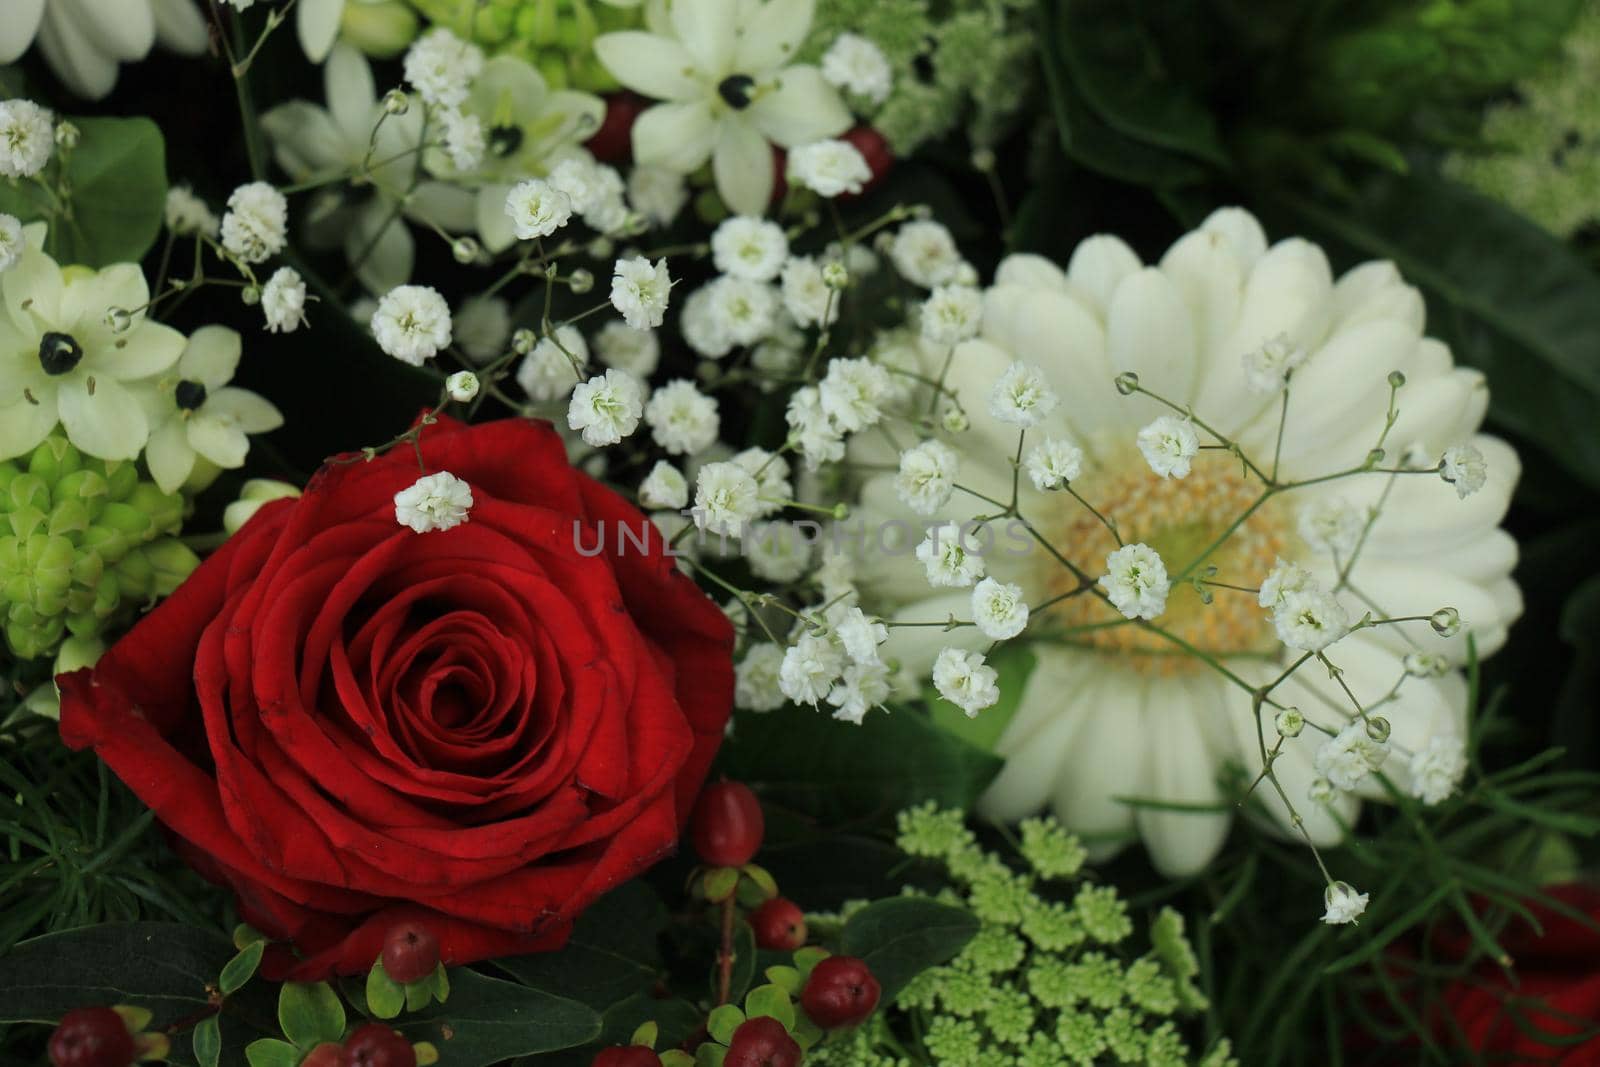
[{"x": 1181, "y": 518}]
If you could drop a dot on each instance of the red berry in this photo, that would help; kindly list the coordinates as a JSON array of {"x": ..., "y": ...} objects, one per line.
[
  {"x": 727, "y": 825},
  {"x": 627, "y": 1056},
  {"x": 410, "y": 952},
  {"x": 376, "y": 1045},
  {"x": 762, "y": 1042},
  {"x": 613, "y": 142},
  {"x": 324, "y": 1055},
  {"x": 874, "y": 149},
  {"x": 779, "y": 925},
  {"x": 840, "y": 992},
  {"x": 91, "y": 1037}
]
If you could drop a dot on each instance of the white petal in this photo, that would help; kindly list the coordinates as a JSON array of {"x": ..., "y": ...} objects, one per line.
[
  {"x": 1183, "y": 770},
  {"x": 33, "y": 292},
  {"x": 773, "y": 35},
  {"x": 1029, "y": 271},
  {"x": 677, "y": 137},
  {"x": 306, "y": 141},
  {"x": 24, "y": 425},
  {"x": 78, "y": 61},
  {"x": 1053, "y": 329},
  {"x": 1039, "y": 737},
  {"x": 1097, "y": 265},
  {"x": 169, "y": 456},
  {"x": 1207, "y": 273},
  {"x": 18, "y": 27},
  {"x": 218, "y": 440},
  {"x": 708, "y": 29},
  {"x": 351, "y": 94},
  {"x": 180, "y": 26},
  {"x": 1342, "y": 386},
  {"x": 495, "y": 228},
  {"x": 1376, "y": 291},
  {"x": 386, "y": 263},
  {"x": 1148, "y": 331},
  {"x": 149, "y": 348},
  {"x": 1108, "y": 759},
  {"x": 1244, "y": 234},
  {"x": 802, "y": 108},
  {"x": 211, "y": 357},
  {"x": 658, "y": 67},
  {"x": 916, "y": 647},
  {"x": 124, "y": 31},
  {"x": 743, "y": 167},
  {"x": 109, "y": 424},
  {"x": 317, "y": 25},
  {"x": 251, "y": 412}
]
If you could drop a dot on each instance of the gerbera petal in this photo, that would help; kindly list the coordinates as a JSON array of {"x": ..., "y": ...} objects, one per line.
[
  {"x": 743, "y": 167},
  {"x": 180, "y": 26},
  {"x": 1149, "y": 332},
  {"x": 108, "y": 423},
  {"x": 1107, "y": 759},
  {"x": 658, "y": 67},
  {"x": 1183, "y": 770},
  {"x": 78, "y": 61},
  {"x": 1055, "y": 330},
  {"x": 708, "y": 30},
  {"x": 801, "y": 107},
  {"x": 677, "y": 137},
  {"x": 18, "y": 27},
  {"x": 1041, "y": 734},
  {"x": 1029, "y": 271},
  {"x": 1243, "y": 233},
  {"x": 773, "y": 35},
  {"x": 124, "y": 32},
  {"x": 1098, "y": 266}
]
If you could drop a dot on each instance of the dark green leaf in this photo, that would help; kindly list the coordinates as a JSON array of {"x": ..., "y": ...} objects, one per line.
[
  {"x": 488, "y": 1020},
  {"x": 836, "y": 771},
  {"x": 1506, "y": 296},
  {"x": 164, "y": 967},
  {"x": 310, "y": 1013},
  {"x": 901, "y": 937},
  {"x": 611, "y": 955},
  {"x": 117, "y": 181}
]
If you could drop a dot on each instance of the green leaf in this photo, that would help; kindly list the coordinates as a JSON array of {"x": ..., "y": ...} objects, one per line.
[
  {"x": 901, "y": 937},
  {"x": 310, "y": 1013},
  {"x": 724, "y": 1020},
  {"x": 771, "y": 1001},
  {"x": 835, "y": 771},
  {"x": 1120, "y": 74},
  {"x": 489, "y": 1020},
  {"x": 117, "y": 180},
  {"x": 241, "y": 968},
  {"x": 1013, "y": 662},
  {"x": 1085, "y": 136},
  {"x": 270, "y": 1052},
  {"x": 386, "y": 998},
  {"x": 208, "y": 1042},
  {"x": 1506, "y": 296},
  {"x": 611, "y": 955},
  {"x": 164, "y": 967}
]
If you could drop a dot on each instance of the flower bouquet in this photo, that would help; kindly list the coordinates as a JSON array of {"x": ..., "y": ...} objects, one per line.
[{"x": 748, "y": 533}]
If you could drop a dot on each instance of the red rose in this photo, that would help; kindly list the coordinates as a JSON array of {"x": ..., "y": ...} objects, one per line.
[{"x": 479, "y": 729}]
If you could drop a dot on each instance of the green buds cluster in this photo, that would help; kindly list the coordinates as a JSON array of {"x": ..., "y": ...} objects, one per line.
[
  {"x": 83, "y": 542},
  {"x": 556, "y": 36}
]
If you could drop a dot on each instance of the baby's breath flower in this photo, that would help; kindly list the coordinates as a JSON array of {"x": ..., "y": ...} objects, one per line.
[
  {"x": 806, "y": 295},
  {"x": 27, "y": 137},
  {"x": 856, "y": 65},
  {"x": 1437, "y": 768},
  {"x": 1021, "y": 396},
  {"x": 829, "y": 168},
  {"x": 951, "y": 314},
  {"x": 621, "y": 346},
  {"x": 441, "y": 66},
  {"x": 962, "y": 678},
  {"x": 606, "y": 408},
  {"x": 862, "y": 687},
  {"x": 1053, "y": 463},
  {"x": 927, "y": 476},
  {"x": 433, "y": 502},
  {"x": 951, "y": 556},
  {"x": 283, "y": 300},
  {"x": 12, "y": 241},
  {"x": 1268, "y": 367},
  {"x": 810, "y": 666},
  {"x": 185, "y": 213},
  {"x": 641, "y": 291},
  {"x": 1463, "y": 466},
  {"x": 1342, "y": 904},
  {"x": 255, "y": 227},
  {"x": 537, "y": 209},
  {"x": 555, "y": 366},
  {"x": 742, "y": 311},
  {"x": 998, "y": 609},
  {"x": 726, "y": 498},
  {"x": 749, "y": 247},
  {"x": 925, "y": 254},
  {"x": 1310, "y": 620},
  {"x": 664, "y": 487},
  {"x": 1136, "y": 581},
  {"x": 1332, "y": 525},
  {"x": 658, "y": 194},
  {"x": 1350, "y": 755},
  {"x": 463, "y": 139},
  {"x": 1284, "y": 579},
  {"x": 778, "y": 552},
  {"x": 1169, "y": 445},
  {"x": 861, "y": 635},
  {"x": 462, "y": 386},
  {"x": 412, "y": 323},
  {"x": 812, "y": 429},
  {"x": 853, "y": 392},
  {"x": 755, "y": 678}
]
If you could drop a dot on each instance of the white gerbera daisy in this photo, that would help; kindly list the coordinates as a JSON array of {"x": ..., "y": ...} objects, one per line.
[
  {"x": 1113, "y": 708},
  {"x": 723, "y": 71}
]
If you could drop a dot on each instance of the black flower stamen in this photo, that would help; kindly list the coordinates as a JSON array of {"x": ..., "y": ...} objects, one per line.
[{"x": 59, "y": 352}]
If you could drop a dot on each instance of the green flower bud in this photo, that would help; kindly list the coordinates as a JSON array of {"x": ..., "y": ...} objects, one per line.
[
  {"x": 121, "y": 477},
  {"x": 54, "y": 458},
  {"x": 89, "y": 486},
  {"x": 171, "y": 562},
  {"x": 256, "y": 492},
  {"x": 136, "y": 578},
  {"x": 28, "y": 491},
  {"x": 128, "y": 519},
  {"x": 25, "y": 521},
  {"x": 69, "y": 517},
  {"x": 165, "y": 509}
]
